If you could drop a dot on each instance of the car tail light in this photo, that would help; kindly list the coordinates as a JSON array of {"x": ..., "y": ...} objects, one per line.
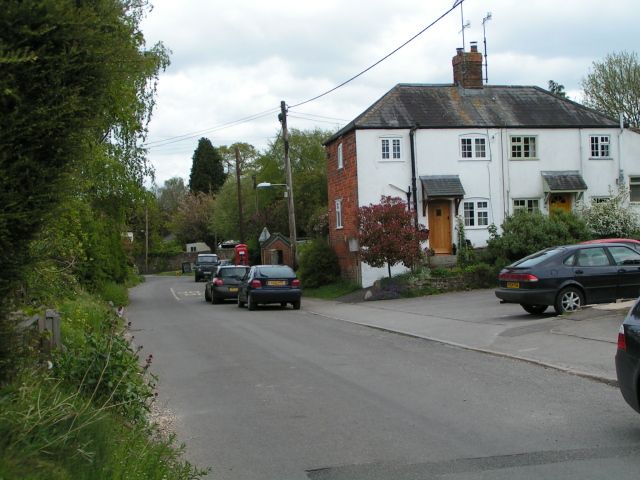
[
  {"x": 255, "y": 284},
  {"x": 218, "y": 282},
  {"x": 518, "y": 277},
  {"x": 622, "y": 341},
  {"x": 295, "y": 283}
]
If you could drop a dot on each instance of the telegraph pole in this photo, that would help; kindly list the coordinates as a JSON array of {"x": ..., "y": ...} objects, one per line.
[
  {"x": 240, "y": 216},
  {"x": 287, "y": 165}
]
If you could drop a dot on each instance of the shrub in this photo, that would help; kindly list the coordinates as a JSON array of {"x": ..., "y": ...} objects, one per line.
[
  {"x": 524, "y": 233},
  {"x": 318, "y": 264},
  {"x": 611, "y": 219}
]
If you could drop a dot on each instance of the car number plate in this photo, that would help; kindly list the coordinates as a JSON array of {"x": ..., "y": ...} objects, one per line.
[
  {"x": 276, "y": 283},
  {"x": 233, "y": 289},
  {"x": 513, "y": 284}
]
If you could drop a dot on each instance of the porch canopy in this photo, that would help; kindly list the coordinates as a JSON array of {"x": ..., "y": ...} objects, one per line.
[
  {"x": 563, "y": 181},
  {"x": 441, "y": 186}
]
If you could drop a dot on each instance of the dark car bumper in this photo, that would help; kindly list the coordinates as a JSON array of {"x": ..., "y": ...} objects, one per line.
[
  {"x": 628, "y": 372},
  {"x": 261, "y": 295},
  {"x": 225, "y": 292},
  {"x": 527, "y": 297}
]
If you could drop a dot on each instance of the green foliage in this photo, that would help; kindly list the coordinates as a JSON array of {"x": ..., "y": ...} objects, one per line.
[
  {"x": 557, "y": 89},
  {"x": 612, "y": 219},
  {"x": 207, "y": 170},
  {"x": 465, "y": 253},
  {"x": 193, "y": 222},
  {"x": 387, "y": 234},
  {"x": 613, "y": 86},
  {"x": 332, "y": 290},
  {"x": 318, "y": 264},
  {"x": 48, "y": 431},
  {"x": 524, "y": 233}
]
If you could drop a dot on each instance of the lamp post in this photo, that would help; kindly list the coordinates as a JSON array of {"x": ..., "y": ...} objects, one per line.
[{"x": 292, "y": 216}]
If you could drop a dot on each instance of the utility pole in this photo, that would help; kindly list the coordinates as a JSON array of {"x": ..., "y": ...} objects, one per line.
[
  {"x": 240, "y": 216},
  {"x": 287, "y": 165},
  {"x": 146, "y": 238}
]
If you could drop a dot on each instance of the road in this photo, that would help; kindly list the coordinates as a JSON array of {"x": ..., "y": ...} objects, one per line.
[{"x": 284, "y": 394}]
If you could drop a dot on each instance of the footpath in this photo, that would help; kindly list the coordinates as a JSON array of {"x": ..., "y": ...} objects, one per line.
[{"x": 583, "y": 343}]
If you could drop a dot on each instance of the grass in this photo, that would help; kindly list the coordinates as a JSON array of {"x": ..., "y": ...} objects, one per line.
[{"x": 332, "y": 291}]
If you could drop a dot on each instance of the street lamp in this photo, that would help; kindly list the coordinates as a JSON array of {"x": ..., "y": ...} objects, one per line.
[{"x": 292, "y": 215}]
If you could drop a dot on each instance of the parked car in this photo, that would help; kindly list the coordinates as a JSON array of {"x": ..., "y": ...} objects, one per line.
[
  {"x": 628, "y": 357},
  {"x": 206, "y": 264},
  {"x": 270, "y": 284},
  {"x": 571, "y": 276},
  {"x": 224, "y": 283},
  {"x": 630, "y": 242}
]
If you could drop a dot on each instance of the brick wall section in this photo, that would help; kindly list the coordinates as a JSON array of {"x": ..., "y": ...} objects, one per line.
[{"x": 343, "y": 184}]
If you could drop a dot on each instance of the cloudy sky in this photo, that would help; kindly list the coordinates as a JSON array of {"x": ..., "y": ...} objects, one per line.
[{"x": 233, "y": 62}]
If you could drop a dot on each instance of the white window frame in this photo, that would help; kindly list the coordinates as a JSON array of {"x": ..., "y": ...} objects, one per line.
[
  {"x": 525, "y": 142},
  {"x": 598, "y": 143},
  {"x": 634, "y": 188},
  {"x": 391, "y": 149},
  {"x": 340, "y": 157},
  {"x": 531, "y": 204},
  {"x": 599, "y": 199},
  {"x": 476, "y": 213},
  {"x": 477, "y": 145},
  {"x": 338, "y": 204}
]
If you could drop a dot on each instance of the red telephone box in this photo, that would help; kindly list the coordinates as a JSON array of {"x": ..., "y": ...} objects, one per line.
[{"x": 241, "y": 254}]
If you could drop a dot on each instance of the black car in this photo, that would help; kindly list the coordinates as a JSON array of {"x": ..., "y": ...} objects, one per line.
[
  {"x": 224, "y": 283},
  {"x": 628, "y": 357},
  {"x": 571, "y": 276},
  {"x": 206, "y": 264},
  {"x": 270, "y": 284}
]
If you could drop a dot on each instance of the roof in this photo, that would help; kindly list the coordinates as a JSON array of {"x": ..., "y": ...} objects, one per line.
[
  {"x": 274, "y": 238},
  {"x": 563, "y": 181},
  {"x": 447, "y": 106},
  {"x": 442, "y": 186}
]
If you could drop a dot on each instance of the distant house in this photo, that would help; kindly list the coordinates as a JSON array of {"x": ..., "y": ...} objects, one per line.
[
  {"x": 276, "y": 250},
  {"x": 197, "y": 247},
  {"x": 476, "y": 151}
]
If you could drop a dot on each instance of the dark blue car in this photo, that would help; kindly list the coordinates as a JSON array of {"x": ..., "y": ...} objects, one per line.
[
  {"x": 270, "y": 284},
  {"x": 628, "y": 357}
]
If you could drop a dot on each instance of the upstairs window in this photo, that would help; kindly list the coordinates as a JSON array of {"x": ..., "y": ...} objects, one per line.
[
  {"x": 338, "y": 213},
  {"x": 599, "y": 146},
  {"x": 523, "y": 147},
  {"x": 390, "y": 149},
  {"x": 473, "y": 148},
  {"x": 340, "y": 157}
]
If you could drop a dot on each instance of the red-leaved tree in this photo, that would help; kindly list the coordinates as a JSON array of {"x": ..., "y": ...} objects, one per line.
[{"x": 387, "y": 234}]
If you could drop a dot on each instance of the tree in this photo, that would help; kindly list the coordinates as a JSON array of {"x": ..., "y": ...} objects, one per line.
[
  {"x": 171, "y": 194},
  {"x": 207, "y": 169},
  {"x": 193, "y": 222},
  {"x": 557, "y": 89},
  {"x": 613, "y": 87},
  {"x": 387, "y": 234}
]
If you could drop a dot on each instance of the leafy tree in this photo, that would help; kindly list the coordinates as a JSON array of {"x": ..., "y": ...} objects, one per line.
[
  {"x": 318, "y": 264},
  {"x": 207, "y": 169},
  {"x": 612, "y": 219},
  {"x": 557, "y": 89},
  {"x": 613, "y": 87},
  {"x": 387, "y": 234},
  {"x": 193, "y": 221},
  {"x": 171, "y": 194}
]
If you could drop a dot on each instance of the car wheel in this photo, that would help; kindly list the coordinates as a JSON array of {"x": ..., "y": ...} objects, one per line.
[
  {"x": 207, "y": 296},
  {"x": 214, "y": 300},
  {"x": 296, "y": 305},
  {"x": 240, "y": 302},
  {"x": 283, "y": 304},
  {"x": 569, "y": 300},
  {"x": 250, "y": 303},
  {"x": 534, "y": 309}
]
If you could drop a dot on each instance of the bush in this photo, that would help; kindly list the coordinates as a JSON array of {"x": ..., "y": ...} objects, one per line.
[
  {"x": 611, "y": 219},
  {"x": 318, "y": 264},
  {"x": 524, "y": 233}
]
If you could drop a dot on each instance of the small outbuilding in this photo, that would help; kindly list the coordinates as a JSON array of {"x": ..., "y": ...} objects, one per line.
[{"x": 276, "y": 250}]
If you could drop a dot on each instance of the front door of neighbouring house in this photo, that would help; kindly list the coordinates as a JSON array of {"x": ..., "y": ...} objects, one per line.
[
  {"x": 560, "y": 201},
  {"x": 440, "y": 226}
]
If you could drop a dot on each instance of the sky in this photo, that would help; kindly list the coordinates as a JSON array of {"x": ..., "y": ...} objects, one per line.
[{"x": 232, "y": 63}]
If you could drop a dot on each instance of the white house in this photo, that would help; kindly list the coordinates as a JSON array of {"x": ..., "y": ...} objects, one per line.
[{"x": 474, "y": 150}]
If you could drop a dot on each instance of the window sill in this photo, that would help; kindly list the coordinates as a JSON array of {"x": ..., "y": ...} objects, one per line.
[
  {"x": 339, "y": 228},
  {"x": 477, "y": 159},
  {"x": 391, "y": 160},
  {"x": 533, "y": 159},
  {"x": 600, "y": 158}
]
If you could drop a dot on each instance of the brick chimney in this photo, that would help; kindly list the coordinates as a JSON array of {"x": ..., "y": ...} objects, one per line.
[{"x": 467, "y": 67}]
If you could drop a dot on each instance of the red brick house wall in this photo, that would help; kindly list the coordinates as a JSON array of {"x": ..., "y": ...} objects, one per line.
[
  {"x": 277, "y": 242},
  {"x": 343, "y": 185}
]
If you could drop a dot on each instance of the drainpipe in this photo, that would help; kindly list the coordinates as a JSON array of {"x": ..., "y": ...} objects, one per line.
[{"x": 414, "y": 186}]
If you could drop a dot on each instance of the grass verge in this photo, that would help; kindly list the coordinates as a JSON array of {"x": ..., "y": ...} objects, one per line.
[{"x": 332, "y": 291}]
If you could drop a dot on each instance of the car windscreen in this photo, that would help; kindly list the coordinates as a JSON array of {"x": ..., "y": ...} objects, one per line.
[
  {"x": 276, "y": 272},
  {"x": 535, "y": 258},
  {"x": 209, "y": 259},
  {"x": 233, "y": 272}
]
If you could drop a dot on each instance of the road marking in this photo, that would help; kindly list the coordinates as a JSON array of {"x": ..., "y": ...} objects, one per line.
[{"x": 174, "y": 294}]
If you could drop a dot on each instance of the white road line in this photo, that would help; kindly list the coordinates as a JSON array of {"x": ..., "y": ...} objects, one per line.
[{"x": 174, "y": 294}]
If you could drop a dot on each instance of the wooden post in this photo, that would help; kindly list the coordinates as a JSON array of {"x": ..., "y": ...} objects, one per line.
[{"x": 287, "y": 165}]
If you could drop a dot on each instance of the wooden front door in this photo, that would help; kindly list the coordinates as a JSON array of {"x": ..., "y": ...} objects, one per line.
[
  {"x": 560, "y": 201},
  {"x": 440, "y": 226}
]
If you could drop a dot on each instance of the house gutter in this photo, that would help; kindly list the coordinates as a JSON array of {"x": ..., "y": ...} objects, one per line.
[{"x": 414, "y": 185}]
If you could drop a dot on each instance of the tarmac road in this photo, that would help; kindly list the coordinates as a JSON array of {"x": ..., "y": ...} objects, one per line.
[{"x": 284, "y": 394}]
